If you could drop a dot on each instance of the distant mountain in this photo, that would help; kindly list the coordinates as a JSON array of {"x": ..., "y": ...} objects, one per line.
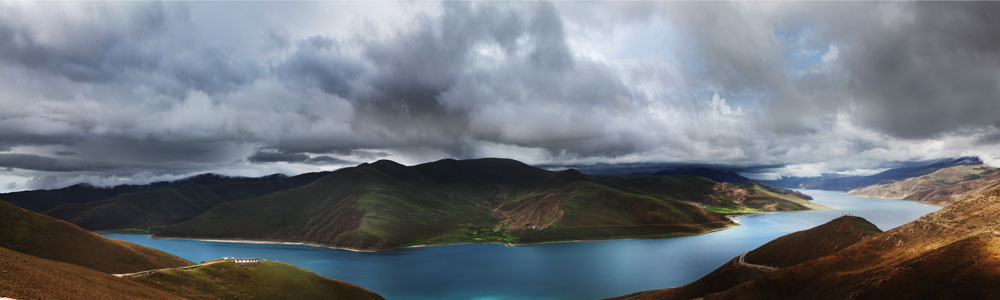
[
  {"x": 949, "y": 254},
  {"x": 386, "y": 205},
  {"x": 172, "y": 202},
  {"x": 785, "y": 251},
  {"x": 834, "y": 182},
  {"x": 943, "y": 186},
  {"x": 713, "y": 174},
  {"x": 42, "y": 200},
  {"x": 265, "y": 280},
  {"x": 42, "y": 236}
]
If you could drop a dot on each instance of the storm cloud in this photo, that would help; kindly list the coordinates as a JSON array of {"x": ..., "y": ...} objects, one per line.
[{"x": 131, "y": 92}]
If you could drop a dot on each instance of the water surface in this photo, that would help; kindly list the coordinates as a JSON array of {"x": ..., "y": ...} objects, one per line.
[{"x": 579, "y": 270}]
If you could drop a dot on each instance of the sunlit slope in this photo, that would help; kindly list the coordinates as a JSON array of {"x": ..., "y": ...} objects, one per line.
[
  {"x": 45, "y": 237},
  {"x": 953, "y": 253},
  {"x": 266, "y": 280},
  {"x": 940, "y": 187},
  {"x": 24, "y": 276}
]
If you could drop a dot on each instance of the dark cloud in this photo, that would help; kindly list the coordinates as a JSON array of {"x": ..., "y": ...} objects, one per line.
[
  {"x": 268, "y": 157},
  {"x": 49, "y": 164},
  {"x": 929, "y": 70},
  {"x": 168, "y": 89}
]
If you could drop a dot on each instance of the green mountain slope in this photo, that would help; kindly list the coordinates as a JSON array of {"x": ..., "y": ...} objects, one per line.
[
  {"x": 173, "y": 203},
  {"x": 266, "y": 280},
  {"x": 385, "y": 205},
  {"x": 42, "y": 236}
]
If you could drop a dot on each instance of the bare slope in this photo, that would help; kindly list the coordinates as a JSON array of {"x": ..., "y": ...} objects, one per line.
[
  {"x": 45, "y": 237},
  {"x": 24, "y": 276},
  {"x": 952, "y": 253},
  {"x": 940, "y": 187}
]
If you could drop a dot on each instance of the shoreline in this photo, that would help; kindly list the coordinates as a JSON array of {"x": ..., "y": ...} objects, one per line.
[{"x": 283, "y": 242}]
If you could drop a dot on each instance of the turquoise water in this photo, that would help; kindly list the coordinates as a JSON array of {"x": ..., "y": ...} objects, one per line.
[{"x": 579, "y": 270}]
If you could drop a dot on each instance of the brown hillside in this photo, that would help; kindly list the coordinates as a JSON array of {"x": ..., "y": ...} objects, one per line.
[
  {"x": 27, "y": 277},
  {"x": 782, "y": 252},
  {"x": 952, "y": 253},
  {"x": 45, "y": 237},
  {"x": 940, "y": 187},
  {"x": 266, "y": 280}
]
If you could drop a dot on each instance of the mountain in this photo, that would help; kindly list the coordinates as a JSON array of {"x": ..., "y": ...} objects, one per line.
[
  {"x": 785, "y": 251},
  {"x": 953, "y": 253},
  {"x": 710, "y": 173},
  {"x": 265, "y": 280},
  {"x": 38, "y": 235},
  {"x": 385, "y": 205},
  {"x": 172, "y": 202},
  {"x": 834, "y": 182},
  {"x": 24, "y": 276},
  {"x": 43, "y": 200},
  {"x": 940, "y": 187},
  {"x": 718, "y": 197}
]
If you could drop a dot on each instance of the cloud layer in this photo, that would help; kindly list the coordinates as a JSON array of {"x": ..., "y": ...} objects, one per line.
[{"x": 131, "y": 92}]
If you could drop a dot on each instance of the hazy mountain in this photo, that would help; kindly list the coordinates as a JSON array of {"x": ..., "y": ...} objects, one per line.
[
  {"x": 42, "y": 200},
  {"x": 940, "y": 187},
  {"x": 835, "y": 182}
]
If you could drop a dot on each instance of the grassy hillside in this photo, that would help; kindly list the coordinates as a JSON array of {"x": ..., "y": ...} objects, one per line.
[
  {"x": 940, "y": 187},
  {"x": 785, "y": 251},
  {"x": 371, "y": 206},
  {"x": 42, "y": 236},
  {"x": 266, "y": 280},
  {"x": 24, "y": 276},
  {"x": 171, "y": 203},
  {"x": 953, "y": 253},
  {"x": 385, "y": 205},
  {"x": 723, "y": 198}
]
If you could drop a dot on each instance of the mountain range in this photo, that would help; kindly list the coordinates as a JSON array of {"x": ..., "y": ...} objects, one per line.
[
  {"x": 836, "y": 182},
  {"x": 386, "y": 205},
  {"x": 383, "y": 205}
]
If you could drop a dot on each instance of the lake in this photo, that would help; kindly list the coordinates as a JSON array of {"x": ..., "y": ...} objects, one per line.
[{"x": 577, "y": 270}]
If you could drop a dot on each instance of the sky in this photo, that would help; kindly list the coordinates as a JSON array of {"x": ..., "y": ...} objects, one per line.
[{"x": 131, "y": 92}]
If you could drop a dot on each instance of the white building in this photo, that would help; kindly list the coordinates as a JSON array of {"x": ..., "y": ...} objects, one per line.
[{"x": 241, "y": 261}]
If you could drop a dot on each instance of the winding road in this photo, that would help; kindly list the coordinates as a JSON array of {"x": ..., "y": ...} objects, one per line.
[
  {"x": 764, "y": 268},
  {"x": 147, "y": 272}
]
